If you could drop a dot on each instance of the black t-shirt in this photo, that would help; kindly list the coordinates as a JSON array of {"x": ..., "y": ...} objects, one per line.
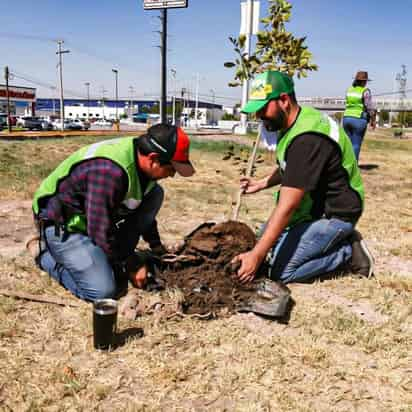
[{"x": 314, "y": 164}]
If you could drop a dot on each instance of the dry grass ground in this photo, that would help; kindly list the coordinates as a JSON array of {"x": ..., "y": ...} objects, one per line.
[{"x": 346, "y": 347}]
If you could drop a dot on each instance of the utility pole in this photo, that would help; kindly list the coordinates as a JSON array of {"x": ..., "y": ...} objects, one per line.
[
  {"x": 402, "y": 80},
  {"x": 163, "y": 83},
  {"x": 7, "y": 75},
  {"x": 213, "y": 96},
  {"x": 87, "y": 84},
  {"x": 116, "y": 75},
  {"x": 131, "y": 91},
  {"x": 53, "y": 91},
  {"x": 60, "y": 52},
  {"x": 173, "y": 71},
  {"x": 103, "y": 91},
  {"x": 197, "y": 100}
]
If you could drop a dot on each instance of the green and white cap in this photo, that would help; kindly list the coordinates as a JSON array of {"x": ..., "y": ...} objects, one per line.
[{"x": 265, "y": 87}]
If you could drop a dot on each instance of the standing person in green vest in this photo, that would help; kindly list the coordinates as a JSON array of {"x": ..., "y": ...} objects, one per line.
[
  {"x": 92, "y": 210},
  {"x": 311, "y": 231},
  {"x": 359, "y": 111}
]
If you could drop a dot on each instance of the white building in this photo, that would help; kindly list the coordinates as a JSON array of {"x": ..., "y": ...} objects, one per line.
[
  {"x": 205, "y": 116},
  {"x": 96, "y": 112}
]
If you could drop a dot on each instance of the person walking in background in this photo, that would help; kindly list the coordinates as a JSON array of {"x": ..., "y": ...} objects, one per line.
[{"x": 359, "y": 111}]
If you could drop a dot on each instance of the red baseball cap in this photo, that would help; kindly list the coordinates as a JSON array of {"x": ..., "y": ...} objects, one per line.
[{"x": 172, "y": 144}]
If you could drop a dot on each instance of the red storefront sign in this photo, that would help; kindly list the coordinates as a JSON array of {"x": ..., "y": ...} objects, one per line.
[{"x": 24, "y": 94}]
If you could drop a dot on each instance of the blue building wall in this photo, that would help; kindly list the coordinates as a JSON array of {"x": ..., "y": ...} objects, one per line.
[{"x": 50, "y": 104}]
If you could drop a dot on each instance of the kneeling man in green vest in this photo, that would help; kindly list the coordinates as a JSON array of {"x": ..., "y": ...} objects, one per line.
[
  {"x": 92, "y": 210},
  {"x": 311, "y": 231}
]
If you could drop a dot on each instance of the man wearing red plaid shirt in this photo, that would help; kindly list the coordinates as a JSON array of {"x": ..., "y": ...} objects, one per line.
[{"x": 92, "y": 210}]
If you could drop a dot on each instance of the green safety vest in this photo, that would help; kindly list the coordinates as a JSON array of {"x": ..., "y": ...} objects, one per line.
[
  {"x": 121, "y": 151},
  {"x": 311, "y": 120},
  {"x": 354, "y": 102}
]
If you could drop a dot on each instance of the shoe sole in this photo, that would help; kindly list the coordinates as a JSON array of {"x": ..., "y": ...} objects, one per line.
[{"x": 370, "y": 257}]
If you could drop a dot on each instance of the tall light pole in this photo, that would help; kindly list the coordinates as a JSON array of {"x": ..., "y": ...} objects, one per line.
[
  {"x": 53, "y": 91},
  {"x": 197, "y": 100},
  {"x": 116, "y": 76},
  {"x": 163, "y": 83},
  {"x": 173, "y": 71},
  {"x": 60, "y": 52},
  {"x": 7, "y": 76},
  {"x": 87, "y": 84},
  {"x": 213, "y": 96},
  {"x": 131, "y": 91},
  {"x": 103, "y": 90}
]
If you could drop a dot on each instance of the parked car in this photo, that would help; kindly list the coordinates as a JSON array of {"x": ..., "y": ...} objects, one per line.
[
  {"x": 46, "y": 125},
  {"x": 102, "y": 122},
  {"x": 84, "y": 124},
  {"x": 3, "y": 119},
  {"x": 68, "y": 125},
  {"x": 30, "y": 122}
]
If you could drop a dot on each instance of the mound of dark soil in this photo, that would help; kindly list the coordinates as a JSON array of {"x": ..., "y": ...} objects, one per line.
[{"x": 205, "y": 274}]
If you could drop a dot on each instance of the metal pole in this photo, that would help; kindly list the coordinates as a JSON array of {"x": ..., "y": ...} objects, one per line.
[
  {"x": 131, "y": 90},
  {"x": 197, "y": 101},
  {"x": 87, "y": 84},
  {"x": 173, "y": 71},
  {"x": 163, "y": 84},
  {"x": 7, "y": 75},
  {"x": 116, "y": 74},
  {"x": 60, "y": 52},
  {"x": 245, "y": 90}
]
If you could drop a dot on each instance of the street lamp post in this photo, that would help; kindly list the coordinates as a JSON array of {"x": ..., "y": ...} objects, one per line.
[
  {"x": 103, "y": 90},
  {"x": 173, "y": 71},
  {"x": 213, "y": 107},
  {"x": 116, "y": 74},
  {"x": 60, "y": 52},
  {"x": 87, "y": 84},
  {"x": 131, "y": 91}
]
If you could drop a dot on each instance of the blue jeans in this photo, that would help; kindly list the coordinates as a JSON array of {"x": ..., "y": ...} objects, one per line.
[
  {"x": 310, "y": 249},
  {"x": 355, "y": 128},
  {"x": 82, "y": 267}
]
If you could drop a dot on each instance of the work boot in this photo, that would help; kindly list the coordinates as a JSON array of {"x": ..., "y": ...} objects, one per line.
[
  {"x": 32, "y": 245},
  {"x": 362, "y": 261}
]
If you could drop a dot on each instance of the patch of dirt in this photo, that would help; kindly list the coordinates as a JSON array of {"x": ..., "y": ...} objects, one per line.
[
  {"x": 362, "y": 310},
  {"x": 16, "y": 223},
  {"x": 205, "y": 273}
]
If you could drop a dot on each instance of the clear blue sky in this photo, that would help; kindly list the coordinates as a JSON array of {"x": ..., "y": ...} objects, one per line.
[{"x": 344, "y": 36}]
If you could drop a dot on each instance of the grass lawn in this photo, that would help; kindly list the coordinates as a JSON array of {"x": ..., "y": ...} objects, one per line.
[{"x": 346, "y": 347}]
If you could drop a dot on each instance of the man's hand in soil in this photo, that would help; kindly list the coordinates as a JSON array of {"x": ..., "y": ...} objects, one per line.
[
  {"x": 139, "y": 277},
  {"x": 249, "y": 265}
]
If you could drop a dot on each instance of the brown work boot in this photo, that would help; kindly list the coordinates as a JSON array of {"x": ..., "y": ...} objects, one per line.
[
  {"x": 362, "y": 261},
  {"x": 32, "y": 245}
]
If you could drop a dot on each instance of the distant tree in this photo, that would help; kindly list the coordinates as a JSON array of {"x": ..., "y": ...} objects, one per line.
[
  {"x": 404, "y": 119},
  {"x": 276, "y": 48},
  {"x": 384, "y": 116},
  {"x": 145, "y": 109},
  {"x": 155, "y": 109},
  {"x": 229, "y": 116}
]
